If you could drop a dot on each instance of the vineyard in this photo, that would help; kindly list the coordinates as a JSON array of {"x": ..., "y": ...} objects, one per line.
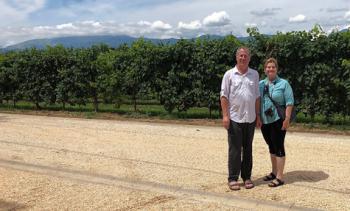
[{"x": 179, "y": 77}]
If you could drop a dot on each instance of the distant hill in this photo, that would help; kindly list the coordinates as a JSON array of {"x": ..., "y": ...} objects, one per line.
[
  {"x": 80, "y": 41},
  {"x": 111, "y": 40},
  {"x": 88, "y": 41}
]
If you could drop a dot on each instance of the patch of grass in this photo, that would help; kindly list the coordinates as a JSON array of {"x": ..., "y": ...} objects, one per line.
[
  {"x": 90, "y": 115},
  {"x": 320, "y": 119},
  {"x": 157, "y": 111}
]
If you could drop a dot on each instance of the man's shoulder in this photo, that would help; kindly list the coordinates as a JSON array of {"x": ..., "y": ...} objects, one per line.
[
  {"x": 233, "y": 69},
  {"x": 228, "y": 72},
  {"x": 253, "y": 70}
]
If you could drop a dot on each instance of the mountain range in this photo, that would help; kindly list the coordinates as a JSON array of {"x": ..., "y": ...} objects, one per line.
[{"x": 87, "y": 41}]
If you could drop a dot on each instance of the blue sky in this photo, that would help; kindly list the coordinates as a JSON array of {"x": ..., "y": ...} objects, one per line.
[{"x": 29, "y": 19}]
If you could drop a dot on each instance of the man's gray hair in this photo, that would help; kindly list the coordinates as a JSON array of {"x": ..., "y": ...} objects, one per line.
[{"x": 243, "y": 48}]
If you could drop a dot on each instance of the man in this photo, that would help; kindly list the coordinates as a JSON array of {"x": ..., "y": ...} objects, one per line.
[{"x": 240, "y": 102}]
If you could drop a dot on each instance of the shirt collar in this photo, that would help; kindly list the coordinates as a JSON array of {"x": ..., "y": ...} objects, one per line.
[
  {"x": 235, "y": 71},
  {"x": 274, "y": 81}
]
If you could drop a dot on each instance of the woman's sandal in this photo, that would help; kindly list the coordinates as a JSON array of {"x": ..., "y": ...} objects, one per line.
[
  {"x": 234, "y": 185},
  {"x": 269, "y": 177},
  {"x": 275, "y": 183}
]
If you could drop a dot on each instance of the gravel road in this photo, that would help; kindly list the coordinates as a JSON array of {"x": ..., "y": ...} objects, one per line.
[{"x": 55, "y": 163}]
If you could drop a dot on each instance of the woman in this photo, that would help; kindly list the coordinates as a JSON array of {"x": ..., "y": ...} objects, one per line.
[{"x": 274, "y": 89}]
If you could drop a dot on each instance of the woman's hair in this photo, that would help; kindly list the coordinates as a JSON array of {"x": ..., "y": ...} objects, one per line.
[{"x": 271, "y": 60}]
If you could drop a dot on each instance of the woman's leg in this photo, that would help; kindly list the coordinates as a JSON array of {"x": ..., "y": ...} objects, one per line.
[
  {"x": 266, "y": 130},
  {"x": 273, "y": 163},
  {"x": 278, "y": 136},
  {"x": 280, "y": 161}
]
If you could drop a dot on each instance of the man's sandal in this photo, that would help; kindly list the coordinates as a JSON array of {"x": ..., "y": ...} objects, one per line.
[
  {"x": 275, "y": 183},
  {"x": 234, "y": 185},
  {"x": 248, "y": 184},
  {"x": 269, "y": 177}
]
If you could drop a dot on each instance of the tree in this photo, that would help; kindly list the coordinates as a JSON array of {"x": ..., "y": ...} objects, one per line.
[
  {"x": 177, "y": 89},
  {"x": 34, "y": 77},
  {"x": 10, "y": 78},
  {"x": 53, "y": 59},
  {"x": 110, "y": 78},
  {"x": 138, "y": 73}
]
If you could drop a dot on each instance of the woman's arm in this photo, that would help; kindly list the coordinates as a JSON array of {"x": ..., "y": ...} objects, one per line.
[{"x": 287, "y": 119}]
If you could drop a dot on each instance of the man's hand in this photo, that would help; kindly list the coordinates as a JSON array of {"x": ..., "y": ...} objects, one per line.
[
  {"x": 258, "y": 122},
  {"x": 226, "y": 122}
]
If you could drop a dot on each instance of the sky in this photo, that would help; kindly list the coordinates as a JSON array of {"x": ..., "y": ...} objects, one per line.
[{"x": 32, "y": 19}]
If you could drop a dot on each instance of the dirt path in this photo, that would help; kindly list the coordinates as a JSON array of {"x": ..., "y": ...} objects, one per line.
[{"x": 57, "y": 163}]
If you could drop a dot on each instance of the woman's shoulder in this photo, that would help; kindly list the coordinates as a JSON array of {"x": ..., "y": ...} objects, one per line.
[
  {"x": 283, "y": 81},
  {"x": 262, "y": 82}
]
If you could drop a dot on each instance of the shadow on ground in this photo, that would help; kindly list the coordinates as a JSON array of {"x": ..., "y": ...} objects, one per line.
[
  {"x": 305, "y": 176},
  {"x": 299, "y": 176},
  {"x": 7, "y": 205}
]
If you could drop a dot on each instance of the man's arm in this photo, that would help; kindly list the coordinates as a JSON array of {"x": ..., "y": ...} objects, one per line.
[
  {"x": 257, "y": 103},
  {"x": 257, "y": 112},
  {"x": 224, "y": 96},
  {"x": 225, "y": 112}
]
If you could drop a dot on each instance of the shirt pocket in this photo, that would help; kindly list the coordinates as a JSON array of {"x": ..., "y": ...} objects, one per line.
[
  {"x": 235, "y": 85},
  {"x": 250, "y": 88}
]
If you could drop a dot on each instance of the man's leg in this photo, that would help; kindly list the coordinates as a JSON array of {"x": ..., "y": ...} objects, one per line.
[
  {"x": 234, "y": 151},
  {"x": 247, "y": 162}
]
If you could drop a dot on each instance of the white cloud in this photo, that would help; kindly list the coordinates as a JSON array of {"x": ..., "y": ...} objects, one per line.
[
  {"x": 194, "y": 25},
  {"x": 18, "y": 10},
  {"x": 160, "y": 25},
  {"x": 217, "y": 19},
  {"x": 299, "y": 18},
  {"x": 345, "y": 27},
  {"x": 176, "y": 18},
  {"x": 66, "y": 26},
  {"x": 250, "y": 25},
  {"x": 26, "y": 6},
  {"x": 333, "y": 29},
  {"x": 265, "y": 12},
  {"x": 347, "y": 15},
  {"x": 157, "y": 29},
  {"x": 144, "y": 23}
]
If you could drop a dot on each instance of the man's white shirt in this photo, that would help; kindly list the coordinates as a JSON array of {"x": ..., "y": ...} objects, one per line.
[{"x": 241, "y": 90}]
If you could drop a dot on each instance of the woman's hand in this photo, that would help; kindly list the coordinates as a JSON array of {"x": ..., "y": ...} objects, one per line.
[
  {"x": 287, "y": 119},
  {"x": 285, "y": 125}
]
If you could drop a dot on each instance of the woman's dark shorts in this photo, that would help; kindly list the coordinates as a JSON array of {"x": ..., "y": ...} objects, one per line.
[{"x": 274, "y": 137}]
